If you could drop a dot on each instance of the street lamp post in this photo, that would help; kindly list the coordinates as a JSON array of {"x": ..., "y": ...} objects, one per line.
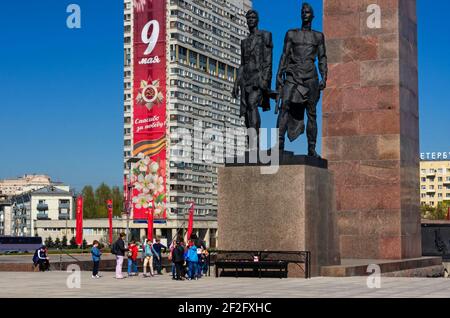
[
  {"x": 129, "y": 205},
  {"x": 130, "y": 191}
]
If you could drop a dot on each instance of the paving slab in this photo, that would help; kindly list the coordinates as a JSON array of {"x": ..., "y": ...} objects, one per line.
[{"x": 53, "y": 285}]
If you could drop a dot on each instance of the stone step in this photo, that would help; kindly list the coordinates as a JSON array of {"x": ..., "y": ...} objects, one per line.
[{"x": 358, "y": 267}]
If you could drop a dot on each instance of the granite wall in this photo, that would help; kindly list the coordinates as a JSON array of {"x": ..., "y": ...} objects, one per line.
[{"x": 371, "y": 126}]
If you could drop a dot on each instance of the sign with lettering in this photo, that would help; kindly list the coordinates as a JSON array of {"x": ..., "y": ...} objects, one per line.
[
  {"x": 435, "y": 156},
  {"x": 149, "y": 110}
]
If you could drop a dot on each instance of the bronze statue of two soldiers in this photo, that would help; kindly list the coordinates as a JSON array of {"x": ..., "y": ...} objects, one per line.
[{"x": 298, "y": 85}]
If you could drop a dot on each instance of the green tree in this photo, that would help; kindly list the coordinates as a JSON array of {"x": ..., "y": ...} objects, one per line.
[
  {"x": 49, "y": 242},
  {"x": 57, "y": 242},
  {"x": 64, "y": 241},
  {"x": 84, "y": 244},
  {"x": 426, "y": 211},
  {"x": 89, "y": 205},
  {"x": 442, "y": 210},
  {"x": 117, "y": 197},
  {"x": 73, "y": 242},
  {"x": 102, "y": 194},
  {"x": 435, "y": 213}
]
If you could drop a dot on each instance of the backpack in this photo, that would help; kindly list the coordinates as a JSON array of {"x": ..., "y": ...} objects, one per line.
[
  {"x": 114, "y": 248},
  {"x": 178, "y": 254},
  {"x": 35, "y": 257},
  {"x": 192, "y": 254}
]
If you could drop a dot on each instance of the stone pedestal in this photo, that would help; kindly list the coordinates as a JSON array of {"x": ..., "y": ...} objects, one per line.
[
  {"x": 370, "y": 126},
  {"x": 291, "y": 210}
]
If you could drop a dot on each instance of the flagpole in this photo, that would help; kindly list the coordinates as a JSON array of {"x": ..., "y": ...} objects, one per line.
[
  {"x": 190, "y": 228},
  {"x": 150, "y": 224},
  {"x": 128, "y": 227},
  {"x": 109, "y": 205}
]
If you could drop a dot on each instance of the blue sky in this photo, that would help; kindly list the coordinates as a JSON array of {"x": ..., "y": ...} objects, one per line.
[{"x": 62, "y": 90}]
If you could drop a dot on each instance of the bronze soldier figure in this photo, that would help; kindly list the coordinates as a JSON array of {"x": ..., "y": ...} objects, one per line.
[
  {"x": 298, "y": 83},
  {"x": 255, "y": 73}
]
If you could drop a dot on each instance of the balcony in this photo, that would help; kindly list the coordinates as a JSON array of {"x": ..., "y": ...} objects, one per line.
[
  {"x": 42, "y": 207},
  {"x": 431, "y": 174},
  {"x": 447, "y": 181},
  {"x": 64, "y": 216},
  {"x": 64, "y": 206},
  {"x": 42, "y": 216}
]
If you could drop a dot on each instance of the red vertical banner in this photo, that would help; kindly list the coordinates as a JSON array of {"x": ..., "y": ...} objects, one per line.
[
  {"x": 191, "y": 220},
  {"x": 125, "y": 194},
  {"x": 79, "y": 221},
  {"x": 150, "y": 224},
  {"x": 149, "y": 109},
  {"x": 109, "y": 204}
]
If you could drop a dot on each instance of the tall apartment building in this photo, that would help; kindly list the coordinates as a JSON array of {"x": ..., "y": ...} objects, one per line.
[
  {"x": 203, "y": 54},
  {"x": 434, "y": 182}
]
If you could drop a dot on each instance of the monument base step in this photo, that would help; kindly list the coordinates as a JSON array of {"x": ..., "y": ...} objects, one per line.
[{"x": 415, "y": 267}]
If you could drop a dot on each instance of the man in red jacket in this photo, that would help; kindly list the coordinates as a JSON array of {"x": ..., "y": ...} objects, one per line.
[{"x": 132, "y": 259}]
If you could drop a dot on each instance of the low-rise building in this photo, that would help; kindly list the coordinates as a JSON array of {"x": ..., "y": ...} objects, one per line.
[{"x": 47, "y": 203}]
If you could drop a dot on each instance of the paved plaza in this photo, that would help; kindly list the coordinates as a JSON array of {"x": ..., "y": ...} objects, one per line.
[{"x": 53, "y": 284}]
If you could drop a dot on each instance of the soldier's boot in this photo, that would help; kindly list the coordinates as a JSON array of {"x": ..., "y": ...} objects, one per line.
[
  {"x": 312, "y": 151},
  {"x": 281, "y": 141},
  {"x": 282, "y": 129}
]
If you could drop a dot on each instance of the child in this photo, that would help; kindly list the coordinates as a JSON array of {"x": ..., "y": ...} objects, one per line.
[
  {"x": 96, "y": 254},
  {"x": 192, "y": 259},
  {"x": 172, "y": 247},
  {"x": 148, "y": 261},
  {"x": 132, "y": 259},
  {"x": 205, "y": 263}
]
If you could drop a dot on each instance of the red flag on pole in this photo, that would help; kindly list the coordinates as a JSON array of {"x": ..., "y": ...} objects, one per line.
[
  {"x": 79, "y": 221},
  {"x": 150, "y": 224},
  {"x": 125, "y": 186},
  {"x": 126, "y": 196},
  {"x": 191, "y": 220},
  {"x": 109, "y": 203}
]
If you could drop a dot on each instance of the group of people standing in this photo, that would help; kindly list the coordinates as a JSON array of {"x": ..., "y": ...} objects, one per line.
[
  {"x": 189, "y": 261},
  {"x": 151, "y": 255}
]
